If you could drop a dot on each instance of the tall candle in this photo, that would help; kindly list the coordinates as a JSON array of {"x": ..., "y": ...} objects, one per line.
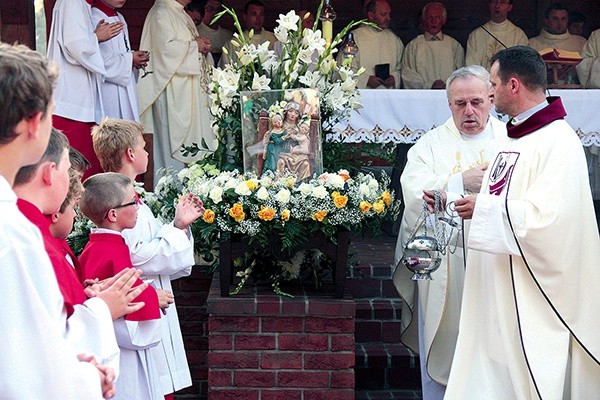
[{"x": 328, "y": 31}]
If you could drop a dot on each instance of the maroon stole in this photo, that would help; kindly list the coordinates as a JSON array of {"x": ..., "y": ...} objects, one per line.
[{"x": 541, "y": 118}]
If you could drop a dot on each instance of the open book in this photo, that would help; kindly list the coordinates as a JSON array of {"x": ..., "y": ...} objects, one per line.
[{"x": 549, "y": 54}]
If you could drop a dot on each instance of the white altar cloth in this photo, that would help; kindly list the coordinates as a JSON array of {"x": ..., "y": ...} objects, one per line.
[{"x": 403, "y": 116}]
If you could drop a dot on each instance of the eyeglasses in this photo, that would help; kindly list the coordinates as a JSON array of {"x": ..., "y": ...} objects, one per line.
[{"x": 134, "y": 203}]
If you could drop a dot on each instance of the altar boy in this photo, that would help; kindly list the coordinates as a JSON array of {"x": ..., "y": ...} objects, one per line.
[
  {"x": 163, "y": 251},
  {"x": 111, "y": 203}
]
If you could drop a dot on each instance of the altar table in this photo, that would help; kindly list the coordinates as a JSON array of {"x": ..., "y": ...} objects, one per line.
[{"x": 403, "y": 116}]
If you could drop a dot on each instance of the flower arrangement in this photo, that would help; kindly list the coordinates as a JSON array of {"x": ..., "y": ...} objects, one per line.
[
  {"x": 276, "y": 206},
  {"x": 302, "y": 60}
]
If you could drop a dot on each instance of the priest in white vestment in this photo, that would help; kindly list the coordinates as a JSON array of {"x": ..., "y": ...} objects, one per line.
[
  {"x": 254, "y": 19},
  {"x": 496, "y": 34},
  {"x": 452, "y": 157},
  {"x": 588, "y": 69},
  {"x": 555, "y": 34},
  {"x": 431, "y": 57},
  {"x": 173, "y": 100},
  {"x": 217, "y": 35},
  {"x": 529, "y": 322},
  {"x": 377, "y": 46}
]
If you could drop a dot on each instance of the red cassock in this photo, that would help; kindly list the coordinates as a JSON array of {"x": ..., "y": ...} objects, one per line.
[
  {"x": 105, "y": 255},
  {"x": 70, "y": 286}
]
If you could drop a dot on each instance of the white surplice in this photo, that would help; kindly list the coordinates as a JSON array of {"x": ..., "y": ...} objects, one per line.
[
  {"x": 73, "y": 46},
  {"x": 437, "y": 161},
  {"x": 119, "y": 91},
  {"x": 173, "y": 100},
  {"x": 164, "y": 253},
  {"x": 426, "y": 61},
  {"x": 482, "y": 45},
  {"x": 36, "y": 361},
  {"x": 530, "y": 302},
  {"x": 564, "y": 41},
  {"x": 588, "y": 70},
  {"x": 376, "y": 46}
]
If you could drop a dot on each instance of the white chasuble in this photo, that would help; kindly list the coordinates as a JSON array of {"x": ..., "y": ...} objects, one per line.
[
  {"x": 529, "y": 323},
  {"x": 426, "y": 61},
  {"x": 588, "y": 70},
  {"x": 489, "y": 39},
  {"x": 437, "y": 161},
  {"x": 177, "y": 86}
]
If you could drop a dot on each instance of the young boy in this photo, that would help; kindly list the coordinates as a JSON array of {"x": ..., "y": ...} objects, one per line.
[
  {"x": 118, "y": 90},
  {"x": 41, "y": 188},
  {"x": 111, "y": 203},
  {"x": 163, "y": 251},
  {"x": 36, "y": 361}
]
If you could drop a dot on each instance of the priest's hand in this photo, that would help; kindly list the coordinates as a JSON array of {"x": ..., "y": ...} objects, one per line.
[
  {"x": 472, "y": 178},
  {"x": 118, "y": 293},
  {"x": 188, "y": 209},
  {"x": 204, "y": 44},
  {"x": 140, "y": 59},
  {"x": 374, "y": 82},
  {"x": 165, "y": 299},
  {"x": 107, "y": 375},
  {"x": 465, "y": 206},
  {"x": 429, "y": 198},
  {"x": 105, "y": 31}
]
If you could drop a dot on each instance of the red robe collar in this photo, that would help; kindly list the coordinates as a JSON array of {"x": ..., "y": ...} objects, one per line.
[
  {"x": 543, "y": 117},
  {"x": 66, "y": 276},
  {"x": 110, "y": 12}
]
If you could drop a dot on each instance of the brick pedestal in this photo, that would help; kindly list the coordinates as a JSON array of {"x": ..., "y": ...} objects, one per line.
[{"x": 262, "y": 346}]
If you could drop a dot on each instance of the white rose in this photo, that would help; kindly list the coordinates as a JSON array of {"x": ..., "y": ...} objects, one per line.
[
  {"x": 262, "y": 194},
  {"x": 216, "y": 194},
  {"x": 364, "y": 190},
  {"x": 335, "y": 180},
  {"x": 305, "y": 188},
  {"x": 283, "y": 196},
  {"x": 242, "y": 189},
  {"x": 319, "y": 192}
]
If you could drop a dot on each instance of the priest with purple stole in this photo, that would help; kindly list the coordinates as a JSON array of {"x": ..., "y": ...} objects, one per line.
[{"x": 529, "y": 320}]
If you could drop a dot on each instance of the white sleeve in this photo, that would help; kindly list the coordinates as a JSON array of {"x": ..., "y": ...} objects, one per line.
[
  {"x": 36, "y": 360},
  {"x": 159, "y": 249},
  {"x": 490, "y": 230},
  {"x": 137, "y": 335},
  {"x": 90, "y": 330}
]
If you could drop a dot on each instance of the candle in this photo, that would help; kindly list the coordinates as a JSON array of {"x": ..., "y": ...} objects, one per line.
[{"x": 328, "y": 32}]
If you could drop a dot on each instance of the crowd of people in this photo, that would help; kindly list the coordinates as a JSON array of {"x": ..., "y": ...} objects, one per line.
[{"x": 509, "y": 315}]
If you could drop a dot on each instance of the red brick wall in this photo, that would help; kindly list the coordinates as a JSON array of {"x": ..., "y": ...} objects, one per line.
[{"x": 269, "y": 347}]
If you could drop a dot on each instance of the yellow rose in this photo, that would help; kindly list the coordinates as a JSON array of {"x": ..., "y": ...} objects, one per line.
[
  {"x": 237, "y": 212},
  {"x": 251, "y": 184},
  {"x": 340, "y": 201},
  {"x": 290, "y": 181},
  {"x": 319, "y": 216},
  {"x": 387, "y": 198},
  {"x": 334, "y": 195},
  {"x": 365, "y": 206},
  {"x": 209, "y": 216},
  {"x": 378, "y": 206},
  {"x": 285, "y": 215},
  {"x": 266, "y": 213}
]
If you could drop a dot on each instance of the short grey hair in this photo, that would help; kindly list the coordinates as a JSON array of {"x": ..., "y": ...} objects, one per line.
[
  {"x": 476, "y": 71},
  {"x": 435, "y": 4}
]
